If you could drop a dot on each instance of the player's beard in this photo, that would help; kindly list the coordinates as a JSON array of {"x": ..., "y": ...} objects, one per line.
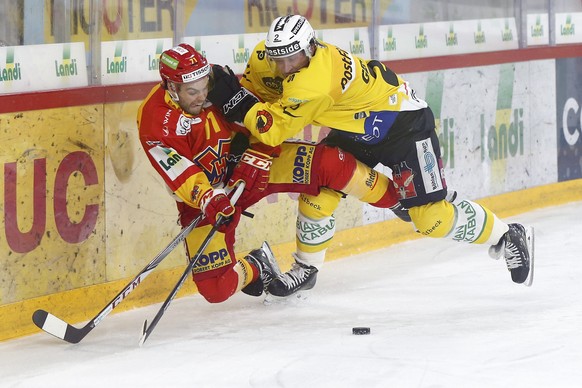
[{"x": 193, "y": 109}]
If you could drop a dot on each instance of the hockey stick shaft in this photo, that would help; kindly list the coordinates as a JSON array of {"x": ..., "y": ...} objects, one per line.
[
  {"x": 65, "y": 331},
  {"x": 147, "y": 330}
]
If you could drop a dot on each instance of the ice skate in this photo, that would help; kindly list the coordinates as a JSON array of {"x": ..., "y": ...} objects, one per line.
[
  {"x": 264, "y": 259},
  {"x": 299, "y": 277},
  {"x": 517, "y": 247}
]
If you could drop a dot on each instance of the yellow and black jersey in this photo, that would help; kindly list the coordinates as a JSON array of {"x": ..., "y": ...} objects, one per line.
[{"x": 336, "y": 90}]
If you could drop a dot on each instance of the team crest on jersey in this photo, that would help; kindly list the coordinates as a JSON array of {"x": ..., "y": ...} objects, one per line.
[
  {"x": 275, "y": 84},
  {"x": 264, "y": 121},
  {"x": 184, "y": 125},
  {"x": 213, "y": 161}
]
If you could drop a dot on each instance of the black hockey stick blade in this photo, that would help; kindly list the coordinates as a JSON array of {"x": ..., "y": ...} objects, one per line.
[
  {"x": 59, "y": 328},
  {"x": 65, "y": 331},
  {"x": 143, "y": 333}
]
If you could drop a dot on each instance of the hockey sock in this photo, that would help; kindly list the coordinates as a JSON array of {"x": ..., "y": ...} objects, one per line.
[{"x": 459, "y": 220}]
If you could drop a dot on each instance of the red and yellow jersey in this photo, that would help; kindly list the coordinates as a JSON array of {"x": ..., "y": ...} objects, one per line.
[
  {"x": 189, "y": 152},
  {"x": 337, "y": 90}
]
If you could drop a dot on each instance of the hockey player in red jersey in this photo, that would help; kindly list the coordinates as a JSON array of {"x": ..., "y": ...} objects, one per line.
[
  {"x": 376, "y": 116},
  {"x": 192, "y": 147}
]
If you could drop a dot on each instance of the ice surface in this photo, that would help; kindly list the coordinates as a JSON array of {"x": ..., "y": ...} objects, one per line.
[{"x": 442, "y": 314}]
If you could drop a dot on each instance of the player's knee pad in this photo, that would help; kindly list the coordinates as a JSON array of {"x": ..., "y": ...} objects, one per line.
[
  {"x": 368, "y": 185},
  {"x": 218, "y": 289},
  {"x": 321, "y": 205},
  {"x": 334, "y": 167},
  {"x": 342, "y": 171},
  {"x": 434, "y": 219}
]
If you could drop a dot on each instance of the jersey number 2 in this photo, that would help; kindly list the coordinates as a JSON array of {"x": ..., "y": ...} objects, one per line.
[{"x": 388, "y": 75}]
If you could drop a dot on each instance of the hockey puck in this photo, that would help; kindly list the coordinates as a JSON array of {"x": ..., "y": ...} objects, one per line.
[{"x": 360, "y": 330}]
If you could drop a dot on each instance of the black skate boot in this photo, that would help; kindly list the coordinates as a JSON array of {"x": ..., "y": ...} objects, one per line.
[
  {"x": 516, "y": 246},
  {"x": 299, "y": 277},
  {"x": 264, "y": 259}
]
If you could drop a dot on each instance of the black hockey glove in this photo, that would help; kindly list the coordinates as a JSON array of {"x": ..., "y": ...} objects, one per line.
[
  {"x": 401, "y": 212},
  {"x": 228, "y": 95}
]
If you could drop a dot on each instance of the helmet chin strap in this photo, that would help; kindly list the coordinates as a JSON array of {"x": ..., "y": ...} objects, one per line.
[{"x": 172, "y": 91}]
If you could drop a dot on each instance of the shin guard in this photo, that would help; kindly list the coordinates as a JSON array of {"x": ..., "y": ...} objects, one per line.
[{"x": 459, "y": 220}]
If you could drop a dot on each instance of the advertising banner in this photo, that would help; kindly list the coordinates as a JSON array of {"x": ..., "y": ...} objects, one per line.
[
  {"x": 52, "y": 201},
  {"x": 354, "y": 40},
  {"x": 128, "y": 61},
  {"x": 495, "y": 136},
  {"x": 538, "y": 29},
  {"x": 42, "y": 67},
  {"x": 418, "y": 40},
  {"x": 569, "y": 117},
  {"x": 232, "y": 50},
  {"x": 566, "y": 31},
  {"x": 120, "y": 19},
  {"x": 322, "y": 14}
]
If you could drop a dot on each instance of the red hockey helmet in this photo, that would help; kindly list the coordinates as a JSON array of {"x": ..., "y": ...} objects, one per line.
[{"x": 183, "y": 64}]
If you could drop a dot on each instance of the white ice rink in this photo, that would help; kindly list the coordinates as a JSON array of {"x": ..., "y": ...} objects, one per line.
[{"x": 442, "y": 314}]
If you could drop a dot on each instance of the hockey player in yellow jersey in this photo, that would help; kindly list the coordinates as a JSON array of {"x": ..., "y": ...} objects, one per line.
[{"x": 375, "y": 115}]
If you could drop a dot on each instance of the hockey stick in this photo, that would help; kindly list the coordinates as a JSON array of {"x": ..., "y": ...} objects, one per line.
[
  {"x": 65, "y": 331},
  {"x": 147, "y": 330}
]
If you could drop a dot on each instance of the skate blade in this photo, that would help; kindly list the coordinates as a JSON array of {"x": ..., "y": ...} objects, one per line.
[
  {"x": 297, "y": 298},
  {"x": 529, "y": 234}
]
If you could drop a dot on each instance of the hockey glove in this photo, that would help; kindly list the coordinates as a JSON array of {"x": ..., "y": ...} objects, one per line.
[
  {"x": 253, "y": 169},
  {"x": 228, "y": 95},
  {"x": 401, "y": 212},
  {"x": 215, "y": 204}
]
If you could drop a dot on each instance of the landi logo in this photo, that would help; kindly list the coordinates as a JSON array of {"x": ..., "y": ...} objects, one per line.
[
  {"x": 119, "y": 62},
  {"x": 421, "y": 41},
  {"x": 67, "y": 67},
  {"x": 507, "y": 33},
  {"x": 242, "y": 54},
  {"x": 567, "y": 29},
  {"x": 357, "y": 45},
  {"x": 389, "y": 43},
  {"x": 198, "y": 47},
  {"x": 505, "y": 137},
  {"x": 451, "y": 38},
  {"x": 537, "y": 29},
  {"x": 154, "y": 62},
  {"x": 445, "y": 125},
  {"x": 479, "y": 35},
  {"x": 11, "y": 72}
]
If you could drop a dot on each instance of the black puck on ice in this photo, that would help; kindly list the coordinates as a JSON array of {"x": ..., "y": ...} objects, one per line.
[{"x": 360, "y": 330}]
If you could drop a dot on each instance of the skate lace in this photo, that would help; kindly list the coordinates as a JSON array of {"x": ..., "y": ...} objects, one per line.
[
  {"x": 512, "y": 256},
  {"x": 295, "y": 276}
]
